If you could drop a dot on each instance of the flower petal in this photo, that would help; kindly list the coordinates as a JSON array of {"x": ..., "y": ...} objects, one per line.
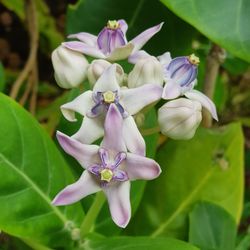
[
  {"x": 133, "y": 100},
  {"x": 123, "y": 26},
  {"x": 90, "y": 130},
  {"x": 142, "y": 38},
  {"x": 204, "y": 100},
  {"x": 85, "y": 37},
  {"x": 81, "y": 104},
  {"x": 132, "y": 137},
  {"x": 171, "y": 90},
  {"x": 138, "y": 55},
  {"x": 86, "y": 155},
  {"x": 119, "y": 202},
  {"x": 140, "y": 167},
  {"x": 107, "y": 81},
  {"x": 84, "y": 48},
  {"x": 85, "y": 186},
  {"x": 120, "y": 53},
  {"x": 113, "y": 125},
  {"x": 165, "y": 59}
]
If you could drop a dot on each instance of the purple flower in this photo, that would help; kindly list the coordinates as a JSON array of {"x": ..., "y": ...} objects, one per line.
[
  {"x": 93, "y": 105},
  {"x": 108, "y": 168},
  {"x": 111, "y": 43}
]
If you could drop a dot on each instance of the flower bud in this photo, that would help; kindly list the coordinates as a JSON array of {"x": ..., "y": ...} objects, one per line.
[
  {"x": 70, "y": 67},
  {"x": 98, "y": 66},
  {"x": 146, "y": 70},
  {"x": 179, "y": 119}
]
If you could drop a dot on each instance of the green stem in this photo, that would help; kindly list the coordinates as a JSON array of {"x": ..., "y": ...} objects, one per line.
[
  {"x": 35, "y": 245},
  {"x": 92, "y": 214}
]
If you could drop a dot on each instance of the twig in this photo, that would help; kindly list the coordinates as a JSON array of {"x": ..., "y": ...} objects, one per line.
[
  {"x": 214, "y": 59},
  {"x": 33, "y": 99},
  {"x": 27, "y": 91},
  {"x": 34, "y": 35}
]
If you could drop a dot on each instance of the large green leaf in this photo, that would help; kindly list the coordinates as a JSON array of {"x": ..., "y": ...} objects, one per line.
[
  {"x": 175, "y": 35},
  {"x": 208, "y": 167},
  {"x": 225, "y": 22},
  {"x": 32, "y": 172},
  {"x": 212, "y": 228},
  {"x": 138, "y": 243}
]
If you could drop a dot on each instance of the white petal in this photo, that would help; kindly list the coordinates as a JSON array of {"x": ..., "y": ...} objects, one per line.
[
  {"x": 121, "y": 53},
  {"x": 138, "y": 55},
  {"x": 81, "y": 104},
  {"x": 204, "y": 100},
  {"x": 107, "y": 81},
  {"x": 90, "y": 130},
  {"x": 133, "y": 100},
  {"x": 85, "y": 154},
  {"x": 165, "y": 59},
  {"x": 118, "y": 196},
  {"x": 85, "y": 37},
  {"x": 171, "y": 90},
  {"x": 85, "y": 186},
  {"x": 132, "y": 137}
]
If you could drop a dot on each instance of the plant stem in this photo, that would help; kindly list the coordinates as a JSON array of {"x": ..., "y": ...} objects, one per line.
[
  {"x": 214, "y": 59},
  {"x": 35, "y": 245},
  {"x": 92, "y": 214}
]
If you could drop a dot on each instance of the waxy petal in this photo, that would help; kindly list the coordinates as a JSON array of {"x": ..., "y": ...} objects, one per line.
[
  {"x": 139, "y": 167},
  {"x": 171, "y": 90},
  {"x": 113, "y": 125},
  {"x": 165, "y": 59},
  {"x": 118, "y": 196},
  {"x": 123, "y": 26},
  {"x": 81, "y": 104},
  {"x": 84, "y": 48},
  {"x": 90, "y": 130},
  {"x": 138, "y": 55},
  {"x": 86, "y": 155},
  {"x": 204, "y": 100},
  {"x": 121, "y": 53},
  {"x": 133, "y": 100},
  {"x": 85, "y": 37},
  {"x": 142, "y": 38},
  {"x": 85, "y": 186},
  {"x": 107, "y": 81},
  {"x": 132, "y": 137}
]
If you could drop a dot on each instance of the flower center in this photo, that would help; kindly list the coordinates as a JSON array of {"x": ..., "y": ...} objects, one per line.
[
  {"x": 108, "y": 97},
  {"x": 193, "y": 59},
  {"x": 106, "y": 175},
  {"x": 114, "y": 25}
]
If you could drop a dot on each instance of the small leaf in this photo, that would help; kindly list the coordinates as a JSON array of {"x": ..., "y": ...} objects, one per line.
[{"x": 212, "y": 227}]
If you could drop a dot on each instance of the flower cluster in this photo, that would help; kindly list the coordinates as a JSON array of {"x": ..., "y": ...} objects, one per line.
[{"x": 108, "y": 110}]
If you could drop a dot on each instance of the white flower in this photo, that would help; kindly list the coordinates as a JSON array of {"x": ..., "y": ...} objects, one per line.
[
  {"x": 179, "y": 119},
  {"x": 70, "y": 67}
]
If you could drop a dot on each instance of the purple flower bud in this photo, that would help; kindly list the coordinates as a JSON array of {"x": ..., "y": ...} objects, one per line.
[
  {"x": 111, "y": 37},
  {"x": 183, "y": 70}
]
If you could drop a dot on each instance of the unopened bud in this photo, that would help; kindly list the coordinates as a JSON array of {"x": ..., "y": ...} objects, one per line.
[
  {"x": 146, "y": 70},
  {"x": 70, "y": 67},
  {"x": 179, "y": 119},
  {"x": 98, "y": 66}
]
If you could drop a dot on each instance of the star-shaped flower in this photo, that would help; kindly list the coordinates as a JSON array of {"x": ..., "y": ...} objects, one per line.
[{"x": 108, "y": 168}]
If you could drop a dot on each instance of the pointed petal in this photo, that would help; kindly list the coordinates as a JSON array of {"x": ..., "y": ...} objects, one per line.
[
  {"x": 138, "y": 55},
  {"x": 142, "y": 38},
  {"x": 81, "y": 104},
  {"x": 84, "y": 48},
  {"x": 119, "y": 202},
  {"x": 85, "y": 37},
  {"x": 86, "y": 155},
  {"x": 90, "y": 130},
  {"x": 85, "y": 186},
  {"x": 133, "y": 100},
  {"x": 132, "y": 137},
  {"x": 107, "y": 81},
  {"x": 113, "y": 125},
  {"x": 204, "y": 100},
  {"x": 123, "y": 26},
  {"x": 171, "y": 90},
  {"x": 120, "y": 53},
  {"x": 165, "y": 59},
  {"x": 140, "y": 167}
]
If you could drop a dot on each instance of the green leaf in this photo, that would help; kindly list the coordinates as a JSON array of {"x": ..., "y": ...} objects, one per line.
[
  {"x": 175, "y": 35},
  {"x": 226, "y": 22},
  {"x": 208, "y": 167},
  {"x": 212, "y": 227},
  {"x": 16, "y": 6},
  {"x": 138, "y": 243},
  {"x": 32, "y": 173}
]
